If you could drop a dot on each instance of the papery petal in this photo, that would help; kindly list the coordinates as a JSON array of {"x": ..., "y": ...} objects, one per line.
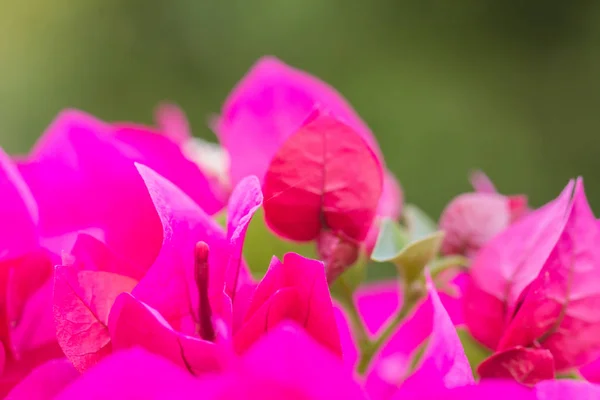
[
  {"x": 171, "y": 120},
  {"x": 134, "y": 374},
  {"x": 567, "y": 389},
  {"x": 94, "y": 255},
  {"x": 484, "y": 390},
  {"x": 267, "y": 106},
  {"x": 507, "y": 264},
  {"x": 288, "y": 363},
  {"x": 77, "y": 156},
  {"x": 444, "y": 362},
  {"x": 245, "y": 200},
  {"x": 167, "y": 158},
  {"x": 45, "y": 381},
  {"x": 18, "y": 213},
  {"x": 324, "y": 176},
  {"x": 482, "y": 183},
  {"x": 169, "y": 286},
  {"x": 23, "y": 278},
  {"x": 525, "y": 365},
  {"x": 82, "y": 302},
  {"x": 377, "y": 303},
  {"x": 470, "y": 220},
  {"x": 133, "y": 323},
  {"x": 293, "y": 290},
  {"x": 35, "y": 327},
  {"x": 559, "y": 308},
  {"x": 347, "y": 340},
  {"x": 15, "y": 370}
]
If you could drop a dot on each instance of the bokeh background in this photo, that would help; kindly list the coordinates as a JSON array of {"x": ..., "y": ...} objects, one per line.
[{"x": 511, "y": 86}]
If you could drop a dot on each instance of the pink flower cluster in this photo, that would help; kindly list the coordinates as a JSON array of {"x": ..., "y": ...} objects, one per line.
[{"x": 117, "y": 281}]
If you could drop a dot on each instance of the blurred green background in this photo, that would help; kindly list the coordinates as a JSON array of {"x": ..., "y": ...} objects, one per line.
[{"x": 512, "y": 87}]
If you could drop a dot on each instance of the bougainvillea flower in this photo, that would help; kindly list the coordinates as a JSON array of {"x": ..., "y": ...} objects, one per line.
[
  {"x": 26, "y": 327},
  {"x": 506, "y": 265},
  {"x": 93, "y": 161},
  {"x": 199, "y": 296},
  {"x": 443, "y": 363},
  {"x": 286, "y": 364},
  {"x": 269, "y": 105},
  {"x": 164, "y": 308},
  {"x": 558, "y": 309},
  {"x": 471, "y": 220}
]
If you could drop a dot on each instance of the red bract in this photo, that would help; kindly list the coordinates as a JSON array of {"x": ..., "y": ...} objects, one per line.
[
  {"x": 269, "y": 105},
  {"x": 324, "y": 177},
  {"x": 82, "y": 302},
  {"x": 506, "y": 265},
  {"x": 525, "y": 365},
  {"x": 471, "y": 220},
  {"x": 558, "y": 310},
  {"x": 294, "y": 290}
]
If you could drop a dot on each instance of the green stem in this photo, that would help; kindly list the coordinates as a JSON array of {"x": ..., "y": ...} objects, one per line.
[
  {"x": 357, "y": 326},
  {"x": 412, "y": 294},
  {"x": 446, "y": 263}
]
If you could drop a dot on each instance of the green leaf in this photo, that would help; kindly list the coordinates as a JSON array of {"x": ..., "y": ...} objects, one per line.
[
  {"x": 418, "y": 223},
  {"x": 475, "y": 352},
  {"x": 411, "y": 258},
  {"x": 391, "y": 240},
  {"x": 221, "y": 217},
  {"x": 261, "y": 245}
]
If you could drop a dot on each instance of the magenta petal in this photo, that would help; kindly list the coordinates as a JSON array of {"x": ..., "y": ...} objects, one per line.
[
  {"x": 444, "y": 362},
  {"x": 567, "y": 390},
  {"x": 525, "y": 365},
  {"x": 470, "y": 220},
  {"x": 268, "y": 105},
  {"x": 591, "y": 371},
  {"x": 245, "y": 199},
  {"x": 308, "y": 300},
  {"x": 169, "y": 285},
  {"x": 18, "y": 213},
  {"x": 377, "y": 303},
  {"x": 507, "y": 264},
  {"x": 289, "y": 358},
  {"x": 482, "y": 183},
  {"x": 133, "y": 323},
  {"x": 134, "y": 374},
  {"x": 559, "y": 309},
  {"x": 171, "y": 121},
  {"x": 92, "y": 254},
  {"x": 45, "y": 381},
  {"x": 81, "y": 304},
  {"x": 166, "y": 158},
  {"x": 484, "y": 390},
  {"x": 83, "y": 178},
  {"x": 36, "y": 324},
  {"x": 347, "y": 340},
  {"x": 391, "y": 364}
]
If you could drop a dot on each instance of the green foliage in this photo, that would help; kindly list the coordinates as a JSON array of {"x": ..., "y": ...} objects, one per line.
[{"x": 475, "y": 352}]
